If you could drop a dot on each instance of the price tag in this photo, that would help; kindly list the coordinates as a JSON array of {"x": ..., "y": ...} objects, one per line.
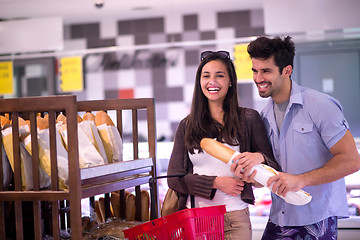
[
  {"x": 71, "y": 74},
  {"x": 242, "y": 62},
  {"x": 6, "y": 78}
]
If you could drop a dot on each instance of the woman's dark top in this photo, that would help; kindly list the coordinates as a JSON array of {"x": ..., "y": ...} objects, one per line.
[{"x": 255, "y": 140}]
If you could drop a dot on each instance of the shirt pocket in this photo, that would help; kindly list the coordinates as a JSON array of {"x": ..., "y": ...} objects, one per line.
[{"x": 303, "y": 128}]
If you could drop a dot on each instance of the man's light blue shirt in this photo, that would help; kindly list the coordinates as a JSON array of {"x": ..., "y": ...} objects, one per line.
[{"x": 313, "y": 123}]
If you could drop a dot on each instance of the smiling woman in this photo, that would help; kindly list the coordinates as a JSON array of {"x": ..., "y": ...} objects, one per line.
[
  {"x": 215, "y": 82},
  {"x": 215, "y": 113}
]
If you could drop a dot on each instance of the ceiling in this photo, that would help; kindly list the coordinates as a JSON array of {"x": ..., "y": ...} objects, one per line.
[{"x": 78, "y": 11}]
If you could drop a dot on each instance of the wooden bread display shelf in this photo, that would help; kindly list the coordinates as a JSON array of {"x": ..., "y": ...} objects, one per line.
[{"x": 82, "y": 183}]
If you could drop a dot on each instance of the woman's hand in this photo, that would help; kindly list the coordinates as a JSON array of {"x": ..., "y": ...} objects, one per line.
[
  {"x": 243, "y": 163},
  {"x": 247, "y": 160},
  {"x": 229, "y": 185}
]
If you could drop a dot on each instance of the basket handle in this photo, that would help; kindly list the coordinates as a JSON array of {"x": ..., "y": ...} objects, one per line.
[{"x": 152, "y": 192}]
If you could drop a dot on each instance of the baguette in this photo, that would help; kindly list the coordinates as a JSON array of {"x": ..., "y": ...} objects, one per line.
[
  {"x": 21, "y": 121},
  {"x": 46, "y": 117},
  {"x": 42, "y": 123},
  {"x": 88, "y": 116},
  {"x": 4, "y": 121},
  {"x": 263, "y": 172},
  {"x": 102, "y": 209},
  {"x": 79, "y": 119},
  {"x": 97, "y": 212},
  {"x": 145, "y": 204},
  {"x": 217, "y": 149},
  {"x": 102, "y": 117},
  {"x": 130, "y": 207},
  {"x": 115, "y": 204},
  {"x": 61, "y": 118}
]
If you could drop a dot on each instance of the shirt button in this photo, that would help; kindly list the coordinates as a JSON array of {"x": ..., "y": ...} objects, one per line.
[
  {"x": 282, "y": 212},
  {"x": 302, "y": 129}
]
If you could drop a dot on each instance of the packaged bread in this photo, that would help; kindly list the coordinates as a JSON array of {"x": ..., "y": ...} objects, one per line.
[
  {"x": 61, "y": 119},
  {"x": 102, "y": 117},
  {"x": 79, "y": 119},
  {"x": 46, "y": 117},
  {"x": 89, "y": 156},
  {"x": 110, "y": 136},
  {"x": 264, "y": 172},
  {"x": 88, "y": 116},
  {"x": 42, "y": 123},
  {"x": 4, "y": 121},
  {"x": 25, "y": 157},
  {"x": 88, "y": 127},
  {"x": 44, "y": 151}
]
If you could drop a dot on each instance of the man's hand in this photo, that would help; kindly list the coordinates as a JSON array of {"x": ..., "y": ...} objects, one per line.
[
  {"x": 285, "y": 182},
  {"x": 229, "y": 185}
]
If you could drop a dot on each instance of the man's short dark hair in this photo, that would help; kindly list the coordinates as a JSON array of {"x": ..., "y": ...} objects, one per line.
[{"x": 283, "y": 50}]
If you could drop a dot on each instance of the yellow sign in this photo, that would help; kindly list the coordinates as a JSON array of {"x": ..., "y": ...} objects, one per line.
[
  {"x": 243, "y": 63},
  {"x": 6, "y": 78},
  {"x": 71, "y": 74}
]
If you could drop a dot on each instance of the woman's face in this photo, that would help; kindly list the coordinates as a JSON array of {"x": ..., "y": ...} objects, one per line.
[{"x": 215, "y": 81}]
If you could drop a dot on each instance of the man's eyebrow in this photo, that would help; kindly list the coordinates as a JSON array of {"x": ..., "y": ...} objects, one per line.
[{"x": 262, "y": 69}]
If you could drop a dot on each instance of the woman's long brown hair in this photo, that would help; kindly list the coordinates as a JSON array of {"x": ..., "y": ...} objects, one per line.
[{"x": 199, "y": 123}]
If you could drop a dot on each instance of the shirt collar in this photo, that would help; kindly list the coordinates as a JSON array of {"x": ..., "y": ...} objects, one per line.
[{"x": 295, "y": 98}]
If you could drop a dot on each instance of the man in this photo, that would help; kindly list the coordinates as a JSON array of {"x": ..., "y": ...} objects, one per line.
[{"x": 311, "y": 142}]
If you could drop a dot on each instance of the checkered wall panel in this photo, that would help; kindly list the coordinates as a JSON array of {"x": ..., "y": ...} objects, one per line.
[{"x": 166, "y": 74}]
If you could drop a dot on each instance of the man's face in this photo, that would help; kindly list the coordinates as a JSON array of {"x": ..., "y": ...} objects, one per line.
[{"x": 267, "y": 77}]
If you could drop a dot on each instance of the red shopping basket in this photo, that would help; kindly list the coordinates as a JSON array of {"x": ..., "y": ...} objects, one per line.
[{"x": 194, "y": 223}]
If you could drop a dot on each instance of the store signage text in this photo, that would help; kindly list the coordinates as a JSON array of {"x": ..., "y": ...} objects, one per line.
[{"x": 120, "y": 61}]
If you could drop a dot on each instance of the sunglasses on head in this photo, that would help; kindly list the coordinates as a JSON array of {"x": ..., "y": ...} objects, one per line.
[{"x": 219, "y": 54}]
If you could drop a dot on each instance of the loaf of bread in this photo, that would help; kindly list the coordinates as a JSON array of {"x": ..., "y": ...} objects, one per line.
[
  {"x": 145, "y": 206},
  {"x": 102, "y": 117},
  {"x": 263, "y": 172},
  {"x": 22, "y": 122},
  {"x": 97, "y": 212},
  {"x": 4, "y": 121},
  {"x": 130, "y": 207},
  {"x": 42, "y": 123},
  {"x": 88, "y": 116},
  {"x": 115, "y": 204},
  {"x": 61, "y": 118},
  {"x": 217, "y": 149},
  {"x": 79, "y": 119},
  {"x": 102, "y": 208}
]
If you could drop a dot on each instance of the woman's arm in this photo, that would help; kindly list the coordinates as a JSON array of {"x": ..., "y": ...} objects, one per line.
[{"x": 194, "y": 184}]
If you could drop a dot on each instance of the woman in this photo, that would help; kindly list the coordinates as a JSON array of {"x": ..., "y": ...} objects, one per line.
[{"x": 215, "y": 113}]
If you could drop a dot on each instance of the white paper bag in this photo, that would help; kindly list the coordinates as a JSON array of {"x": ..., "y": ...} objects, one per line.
[
  {"x": 26, "y": 161},
  {"x": 111, "y": 139},
  {"x": 88, "y": 155},
  {"x": 91, "y": 131},
  {"x": 44, "y": 155}
]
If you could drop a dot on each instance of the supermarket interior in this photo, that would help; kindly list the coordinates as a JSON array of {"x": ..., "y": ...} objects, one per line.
[{"x": 137, "y": 61}]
